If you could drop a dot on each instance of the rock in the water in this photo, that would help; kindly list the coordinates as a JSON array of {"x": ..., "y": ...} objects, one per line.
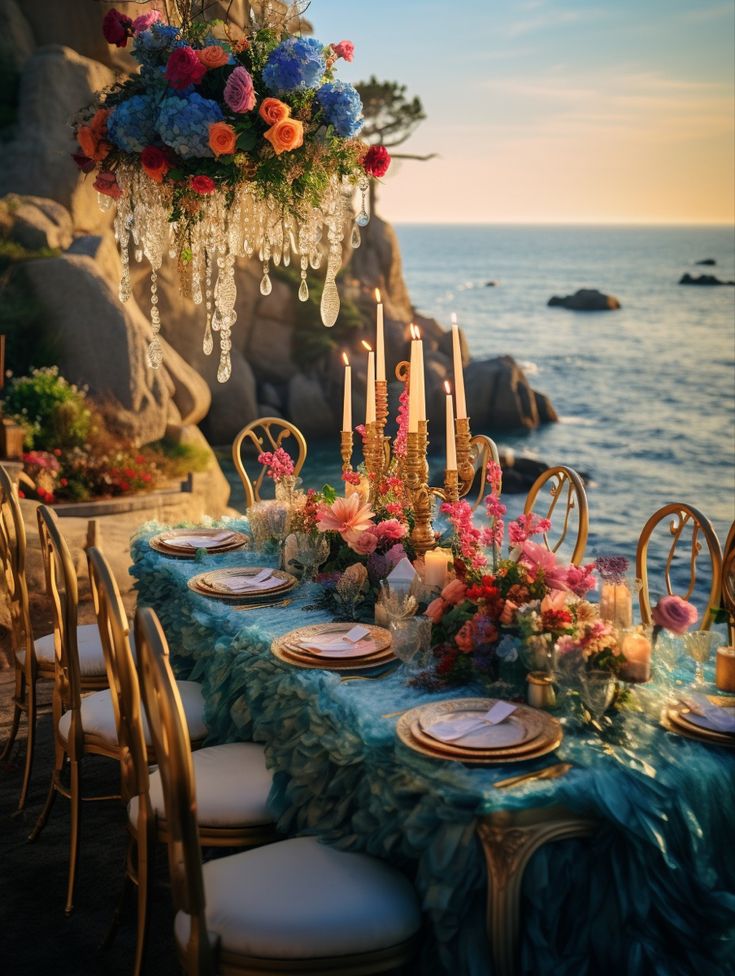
[
  {"x": 519, "y": 473},
  {"x": 234, "y": 403},
  {"x": 308, "y": 407},
  {"x": 586, "y": 300},
  {"x": 445, "y": 345},
  {"x": 709, "y": 262},
  {"x": 491, "y": 284},
  {"x": 36, "y": 222},
  {"x": 499, "y": 397},
  {"x": 687, "y": 279},
  {"x": 377, "y": 264}
]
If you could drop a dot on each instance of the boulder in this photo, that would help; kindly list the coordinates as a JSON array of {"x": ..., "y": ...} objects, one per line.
[
  {"x": 102, "y": 343},
  {"x": 37, "y": 223},
  {"x": 16, "y": 39},
  {"x": 586, "y": 300},
  {"x": 219, "y": 487},
  {"x": 377, "y": 264},
  {"x": 269, "y": 348},
  {"x": 519, "y": 473},
  {"x": 56, "y": 82},
  {"x": 491, "y": 284},
  {"x": 705, "y": 279},
  {"x": 309, "y": 409},
  {"x": 710, "y": 262},
  {"x": 234, "y": 403},
  {"x": 499, "y": 397}
]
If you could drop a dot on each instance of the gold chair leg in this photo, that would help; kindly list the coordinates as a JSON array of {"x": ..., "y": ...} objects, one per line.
[
  {"x": 43, "y": 816},
  {"x": 509, "y": 841},
  {"x": 122, "y": 905},
  {"x": 145, "y": 859},
  {"x": 17, "y": 712},
  {"x": 75, "y": 812},
  {"x": 30, "y": 744}
]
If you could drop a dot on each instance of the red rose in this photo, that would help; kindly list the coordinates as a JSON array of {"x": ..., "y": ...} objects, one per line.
[
  {"x": 202, "y": 185},
  {"x": 155, "y": 163},
  {"x": 184, "y": 68},
  {"x": 376, "y": 161},
  {"x": 117, "y": 28},
  {"x": 106, "y": 183}
]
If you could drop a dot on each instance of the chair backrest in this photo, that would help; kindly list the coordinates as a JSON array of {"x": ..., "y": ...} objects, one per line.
[
  {"x": 266, "y": 434},
  {"x": 173, "y": 751},
  {"x": 563, "y": 485},
  {"x": 483, "y": 449},
  {"x": 13, "y": 568},
  {"x": 687, "y": 527},
  {"x": 728, "y": 583},
  {"x": 122, "y": 679}
]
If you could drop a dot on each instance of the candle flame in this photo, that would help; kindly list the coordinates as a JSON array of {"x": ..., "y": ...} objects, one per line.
[
  {"x": 418, "y": 332},
  {"x": 377, "y": 295},
  {"x": 412, "y": 330},
  {"x": 453, "y": 318},
  {"x": 367, "y": 346},
  {"x": 345, "y": 359},
  {"x": 447, "y": 387}
]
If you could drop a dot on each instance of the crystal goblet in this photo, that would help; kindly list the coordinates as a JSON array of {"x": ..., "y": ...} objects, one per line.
[
  {"x": 312, "y": 549},
  {"x": 411, "y": 640},
  {"x": 698, "y": 645},
  {"x": 598, "y": 689}
]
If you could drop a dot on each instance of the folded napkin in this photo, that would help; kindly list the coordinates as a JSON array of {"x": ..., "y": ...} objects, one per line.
[
  {"x": 450, "y": 730},
  {"x": 355, "y": 643},
  {"x": 195, "y": 541},
  {"x": 717, "y": 718},
  {"x": 264, "y": 580}
]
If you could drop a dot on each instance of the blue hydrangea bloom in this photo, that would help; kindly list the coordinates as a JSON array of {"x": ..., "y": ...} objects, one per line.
[
  {"x": 296, "y": 64},
  {"x": 183, "y": 124},
  {"x": 131, "y": 125},
  {"x": 153, "y": 46},
  {"x": 342, "y": 107}
]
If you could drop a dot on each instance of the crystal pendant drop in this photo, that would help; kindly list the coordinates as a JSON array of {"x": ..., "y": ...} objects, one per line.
[
  {"x": 224, "y": 372},
  {"x": 265, "y": 285},
  {"x": 139, "y": 254},
  {"x": 355, "y": 240},
  {"x": 208, "y": 341},
  {"x": 362, "y": 219},
  {"x": 330, "y": 303},
  {"x": 154, "y": 354},
  {"x": 303, "y": 291}
]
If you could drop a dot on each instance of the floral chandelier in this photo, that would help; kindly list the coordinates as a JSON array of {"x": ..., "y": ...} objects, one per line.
[{"x": 226, "y": 146}]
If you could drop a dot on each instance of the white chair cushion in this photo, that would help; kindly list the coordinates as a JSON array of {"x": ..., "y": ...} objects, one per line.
[
  {"x": 91, "y": 655},
  {"x": 232, "y": 784},
  {"x": 299, "y": 899},
  {"x": 98, "y": 718}
]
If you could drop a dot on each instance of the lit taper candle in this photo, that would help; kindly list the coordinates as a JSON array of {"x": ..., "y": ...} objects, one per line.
[
  {"x": 370, "y": 391},
  {"x": 413, "y": 385},
  {"x": 379, "y": 339},
  {"x": 347, "y": 402},
  {"x": 458, "y": 372},
  {"x": 451, "y": 444},
  {"x": 422, "y": 379}
]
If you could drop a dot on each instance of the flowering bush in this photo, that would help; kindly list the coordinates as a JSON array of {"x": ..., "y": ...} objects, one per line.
[{"x": 53, "y": 412}]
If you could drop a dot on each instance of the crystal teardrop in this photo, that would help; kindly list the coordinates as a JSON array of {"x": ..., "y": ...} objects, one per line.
[
  {"x": 303, "y": 291},
  {"x": 154, "y": 354},
  {"x": 265, "y": 285},
  {"x": 355, "y": 240},
  {"x": 330, "y": 303},
  {"x": 362, "y": 219},
  {"x": 225, "y": 369},
  {"x": 208, "y": 341}
]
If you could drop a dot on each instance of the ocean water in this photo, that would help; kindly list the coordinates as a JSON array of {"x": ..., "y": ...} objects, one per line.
[{"x": 646, "y": 394}]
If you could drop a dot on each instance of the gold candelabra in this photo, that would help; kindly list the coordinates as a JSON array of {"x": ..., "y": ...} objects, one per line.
[
  {"x": 422, "y": 535},
  {"x": 465, "y": 467},
  {"x": 345, "y": 447}
]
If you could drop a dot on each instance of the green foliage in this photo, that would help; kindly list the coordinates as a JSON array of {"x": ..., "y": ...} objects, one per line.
[
  {"x": 53, "y": 411},
  {"x": 390, "y": 116},
  {"x": 178, "y": 460}
]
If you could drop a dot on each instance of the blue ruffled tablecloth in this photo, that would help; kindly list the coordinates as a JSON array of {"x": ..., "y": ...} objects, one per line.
[{"x": 653, "y": 893}]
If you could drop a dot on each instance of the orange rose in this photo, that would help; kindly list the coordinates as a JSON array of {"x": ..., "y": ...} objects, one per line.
[
  {"x": 285, "y": 135},
  {"x": 87, "y": 141},
  {"x": 222, "y": 139},
  {"x": 273, "y": 110},
  {"x": 98, "y": 125},
  {"x": 213, "y": 57}
]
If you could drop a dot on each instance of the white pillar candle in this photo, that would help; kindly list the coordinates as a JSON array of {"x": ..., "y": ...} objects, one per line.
[
  {"x": 347, "y": 402},
  {"x": 636, "y": 649},
  {"x": 422, "y": 380},
  {"x": 616, "y": 604},
  {"x": 379, "y": 340},
  {"x": 413, "y": 391},
  {"x": 451, "y": 444},
  {"x": 436, "y": 567},
  {"x": 458, "y": 372},
  {"x": 370, "y": 391}
]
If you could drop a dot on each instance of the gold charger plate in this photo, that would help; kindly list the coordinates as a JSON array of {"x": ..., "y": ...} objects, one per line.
[
  {"x": 404, "y": 731},
  {"x": 204, "y": 584},
  {"x": 533, "y": 721},
  {"x": 673, "y": 721},
  {"x": 286, "y": 649},
  {"x": 159, "y": 543}
]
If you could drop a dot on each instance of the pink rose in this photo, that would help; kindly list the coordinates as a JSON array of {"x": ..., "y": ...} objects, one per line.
[
  {"x": 435, "y": 610},
  {"x": 184, "y": 68},
  {"x": 555, "y": 600},
  {"x": 464, "y": 637},
  {"x": 454, "y": 592},
  {"x": 345, "y": 49},
  {"x": 239, "y": 93},
  {"x": 117, "y": 28},
  {"x": 390, "y": 530},
  {"x": 106, "y": 183},
  {"x": 145, "y": 21},
  {"x": 365, "y": 543},
  {"x": 509, "y": 611},
  {"x": 674, "y": 614}
]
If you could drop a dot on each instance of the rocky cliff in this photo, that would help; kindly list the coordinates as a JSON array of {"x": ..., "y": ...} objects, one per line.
[{"x": 284, "y": 361}]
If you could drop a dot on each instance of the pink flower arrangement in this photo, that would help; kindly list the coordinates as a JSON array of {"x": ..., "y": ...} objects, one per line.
[
  {"x": 348, "y": 516},
  {"x": 345, "y": 49},
  {"x": 469, "y": 539},
  {"x": 526, "y": 526},
  {"x": 674, "y": 614},
  {"x": 279, "y": 463},
  {"x": 239, "y": 92},
  {"x": 365, "y": 544},
  {"x": 390, "y": 530}
]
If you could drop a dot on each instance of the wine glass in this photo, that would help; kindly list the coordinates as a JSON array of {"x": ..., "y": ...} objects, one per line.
[
  {"x": 312, "y": 550},
  {"x": 395, "y": 602},
  {"x": 698, "y": 644},
  {"x": 411, "y": 640},
  {"x": 598, "y": 689},
  {"x": 278, "y": 517}
]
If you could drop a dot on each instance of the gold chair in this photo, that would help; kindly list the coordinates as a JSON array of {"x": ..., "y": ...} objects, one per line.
[
  {"x": 687, "y": 527},
  {"x": 728, "y": 583},
  {"x": 562, "y": 483},
  {"x": 266, "y": 434},
  {"x": 233, "y": 779},
  {"x": 295, "y": 906},
  {"x": 34, "y": 660}
]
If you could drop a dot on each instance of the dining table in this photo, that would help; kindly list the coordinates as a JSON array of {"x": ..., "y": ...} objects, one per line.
[{"x": 649, "y": 888}]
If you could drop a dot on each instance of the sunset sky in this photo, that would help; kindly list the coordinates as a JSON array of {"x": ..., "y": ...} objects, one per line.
[{"x": 554, "y": 110}]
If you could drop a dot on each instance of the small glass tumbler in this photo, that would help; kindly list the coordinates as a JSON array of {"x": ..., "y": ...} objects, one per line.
[
  {"x": 411, "y": 641},
  {"x": 698, "y": 644},
  {"x": 598, "y": 691}
]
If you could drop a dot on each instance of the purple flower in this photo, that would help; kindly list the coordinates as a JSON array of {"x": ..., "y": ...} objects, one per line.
[
  {"x": 239, "y": 92},
  {"x": 612, "y": 568}
]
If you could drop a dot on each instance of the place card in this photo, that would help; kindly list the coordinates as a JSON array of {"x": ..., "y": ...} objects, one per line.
[{"x": 449, "y": 730}]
